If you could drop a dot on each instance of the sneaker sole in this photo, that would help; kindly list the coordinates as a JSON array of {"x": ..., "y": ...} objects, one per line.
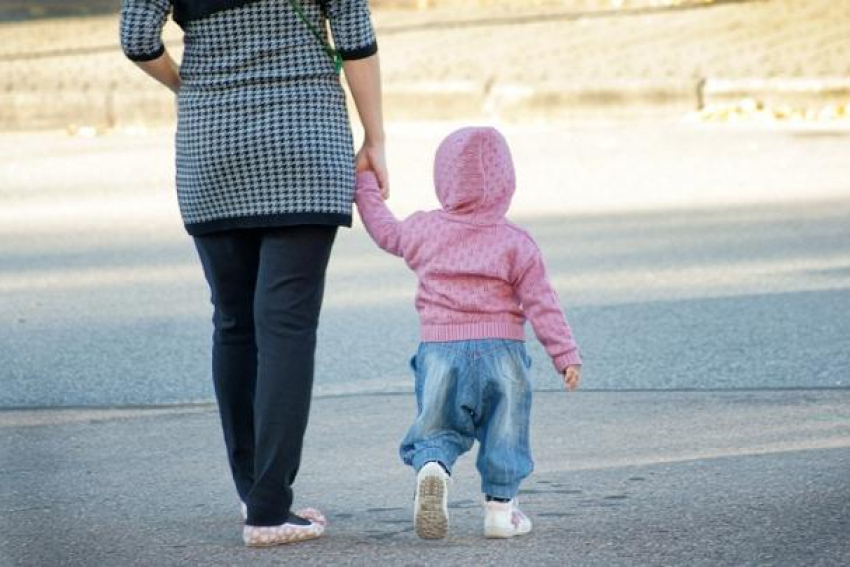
[
  {"x": 292, "y": 538},
  {"x": 501, "y": 532},
  {"x": 497, "y": 533},
  {"x": 431, "y": 520},
  {"x": 287, "y": 542}
]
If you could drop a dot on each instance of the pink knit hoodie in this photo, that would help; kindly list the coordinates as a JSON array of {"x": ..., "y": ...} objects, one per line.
[{"x": 479, "y": 275}]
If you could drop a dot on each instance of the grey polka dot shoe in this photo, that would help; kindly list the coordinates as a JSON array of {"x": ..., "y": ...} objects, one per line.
[{"x": 267, "y": 536}]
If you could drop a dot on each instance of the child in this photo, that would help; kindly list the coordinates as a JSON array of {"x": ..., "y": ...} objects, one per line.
[{"x": 480, "y": 276}]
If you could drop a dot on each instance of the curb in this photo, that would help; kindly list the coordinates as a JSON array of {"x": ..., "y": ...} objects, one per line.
[
  {"x": 515, "y": 101},
  {"x": 59, "y": 108},
  {"x": 789, "y": 91}
]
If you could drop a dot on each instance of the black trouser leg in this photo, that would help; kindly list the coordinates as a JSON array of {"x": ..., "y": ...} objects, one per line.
[
  {"x": 287, "y": 301},
  {"x": 231, "y": 260},
  {"x": 267, "y": 287}
]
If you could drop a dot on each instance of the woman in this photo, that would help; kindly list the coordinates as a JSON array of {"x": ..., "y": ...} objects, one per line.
[{"x": 265, "y": 175}]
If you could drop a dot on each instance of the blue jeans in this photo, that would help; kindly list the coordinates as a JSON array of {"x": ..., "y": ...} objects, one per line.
[{"x": 468, "y": 390}]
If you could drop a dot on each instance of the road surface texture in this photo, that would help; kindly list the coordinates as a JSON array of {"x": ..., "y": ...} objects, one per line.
[
  {"x": 686, "y": 257},
  {"x": 706, "y": 272},
  {"x": 632, "y": 478}
]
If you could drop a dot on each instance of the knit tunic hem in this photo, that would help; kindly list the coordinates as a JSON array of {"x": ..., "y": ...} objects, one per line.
[{"x": 267, "y": 221}]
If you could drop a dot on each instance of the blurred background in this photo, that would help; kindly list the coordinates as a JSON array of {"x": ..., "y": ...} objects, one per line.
[
  {"x": 467, "y": 59},
  {"x": 682, "y": 164}
]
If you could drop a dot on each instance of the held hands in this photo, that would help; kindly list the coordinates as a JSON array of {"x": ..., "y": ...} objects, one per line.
[
  {"x": 372, "y": 157},
  {"x": 572, "y": 377}
]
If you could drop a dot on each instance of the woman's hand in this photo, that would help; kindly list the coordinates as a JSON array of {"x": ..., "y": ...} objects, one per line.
[
  {"x": 372, "y": 157},
  {"x": 364, "y": 80},
  {"x": 164, "y": 69}
]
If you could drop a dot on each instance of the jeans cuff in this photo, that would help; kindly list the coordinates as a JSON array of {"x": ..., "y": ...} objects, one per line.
[
  {"x": 508, "y": 491},
  {"x": 432, "y": 454}
]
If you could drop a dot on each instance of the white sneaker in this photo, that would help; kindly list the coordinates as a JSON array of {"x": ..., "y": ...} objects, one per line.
[
  {"x": 244, "y": 508},
  {"x": 430, "y": 507},
  {"x": 265, "y": 536},
  {"x": 504, "y": 520}
]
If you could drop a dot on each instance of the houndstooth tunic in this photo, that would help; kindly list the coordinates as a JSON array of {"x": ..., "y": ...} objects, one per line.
[{"x": 263, "y": 137}]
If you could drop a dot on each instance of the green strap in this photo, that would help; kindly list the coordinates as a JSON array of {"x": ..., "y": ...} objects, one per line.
[{"x": 336, "y": 58}]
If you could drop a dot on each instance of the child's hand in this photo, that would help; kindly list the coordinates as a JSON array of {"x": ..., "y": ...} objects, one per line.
[{"x": 572, "y": 376}]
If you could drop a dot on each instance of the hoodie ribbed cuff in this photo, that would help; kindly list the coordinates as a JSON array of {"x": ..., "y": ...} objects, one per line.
[
  {"x": 569, "y": 359},
  {"x": 367, "y": 181}
]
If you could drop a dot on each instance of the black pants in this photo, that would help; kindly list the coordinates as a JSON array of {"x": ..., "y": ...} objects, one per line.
[{"x": 267, "y": 287}]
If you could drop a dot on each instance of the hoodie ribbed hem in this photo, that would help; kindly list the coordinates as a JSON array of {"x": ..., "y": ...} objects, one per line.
[{"x": 471, "y": 331}]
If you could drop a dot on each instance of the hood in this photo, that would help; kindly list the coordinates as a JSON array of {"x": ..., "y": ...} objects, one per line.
[{"x": 474, "y": 174}]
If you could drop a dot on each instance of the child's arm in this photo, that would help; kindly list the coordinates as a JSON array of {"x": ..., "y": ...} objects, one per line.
[
  {"x": 380, "y": 223},
  {"x": 542, "y": 308}
]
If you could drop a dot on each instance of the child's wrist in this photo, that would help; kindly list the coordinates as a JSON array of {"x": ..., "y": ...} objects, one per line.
[
  {"x": 564, "y": 361},
  {"x": 365, "y": 180}
]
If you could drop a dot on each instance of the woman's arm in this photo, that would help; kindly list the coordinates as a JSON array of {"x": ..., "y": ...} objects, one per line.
[
  {"x": 164, "y": 70},
  {"x": 354, "y": 39},
  {"x": 141, "y": 39},
  {"x": 364, "y": 80}
]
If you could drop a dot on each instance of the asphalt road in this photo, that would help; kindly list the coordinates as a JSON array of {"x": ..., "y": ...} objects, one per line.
[
  {"x": 748, "y": 298},
  {"x": 622, "y": 478},
  {"x": 721, "y": 266},
  {"x": 686, "y": 257}
]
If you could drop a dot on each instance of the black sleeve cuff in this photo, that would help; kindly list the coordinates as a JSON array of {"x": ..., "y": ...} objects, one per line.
[
  {"x": 359, "y": 53},
  {"x": 146, "y": 56}
]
